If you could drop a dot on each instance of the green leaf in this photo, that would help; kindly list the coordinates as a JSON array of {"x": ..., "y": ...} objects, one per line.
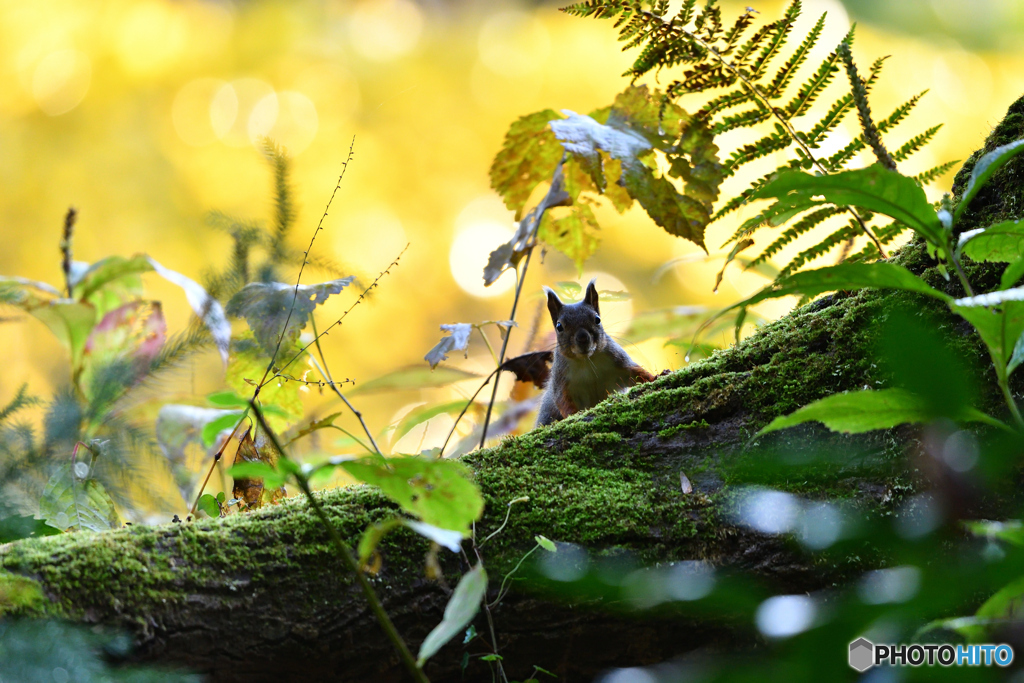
[
  {"x": 910, "y": 349},
  {"x": 71, "y": 502},
  {"x": 1000, "y": 243},
  {"x": 998, "y": 317},
  {"x": 17, "y": 527},
  {"x": 115, "y": 269},
  {"x": 440, "y": 492},
  {"x": 527, "y": 158},
  {"x": 546, "y": 543},
  {"x": 316, "y": 425},
  {"x": 984, "y": 169},
  {"x": 418, "y": 416},
  {"x": 227, "y": 399},
  {"x": 1013, "y": 273},
  {"x": 106, "y": 271},
  {"x": 267, "y": 306},
  {"x": 460, "y": 610},
  {"x": 875, "y": 188},
  {"x": 372, "y": 536},
  {"x": 70, "y": 322},
  {"x": 246, "y": 368},
  {"x": 413, "y": 377},
  {"x": 272, "y": 477},
  {"x": 214, "y": 427},
  {"x": 1011, "y": 531},
  {"x": 856, "y": 412},
  {"x": 810, "y": 283},
  {"x": 209, "y": 505},
  {"x": 1005, "y": 603}
]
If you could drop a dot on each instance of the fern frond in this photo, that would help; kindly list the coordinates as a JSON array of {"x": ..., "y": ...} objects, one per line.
[
  {"x": 777, "y": 40},
  {"x": 838, "y": 237},
  {"x": 21, "y": 400},
  {"x": 785, "y": 75},
  {"x": 774, "y": 142},
  {"x": 804, "y": 225},
  {"x": 915, "y": 143},
  {"x": 886, "y": 234},
  {"x": 932, "y": 174},
  {"x": 816, "y": 84}
]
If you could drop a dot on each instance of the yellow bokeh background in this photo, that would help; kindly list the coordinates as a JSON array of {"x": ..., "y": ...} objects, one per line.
[{"x": 145, "y": 116}]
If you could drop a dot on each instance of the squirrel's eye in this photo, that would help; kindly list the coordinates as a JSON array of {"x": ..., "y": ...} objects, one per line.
[
  {"x": 597, "y": 320},
  {"x": 558, "y": 326}
]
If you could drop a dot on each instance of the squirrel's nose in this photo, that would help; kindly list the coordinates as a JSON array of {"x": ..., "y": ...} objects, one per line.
[{"x": 583, "y": 340}]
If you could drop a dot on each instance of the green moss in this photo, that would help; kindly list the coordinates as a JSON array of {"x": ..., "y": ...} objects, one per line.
[
  {"x": 1003, "y": 197},
  {"x": 19, "y": 594},
  {"x": 672, "y": 431}
]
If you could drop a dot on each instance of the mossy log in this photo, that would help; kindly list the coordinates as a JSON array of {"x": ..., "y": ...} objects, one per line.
[{"x": 261, "y": 597}]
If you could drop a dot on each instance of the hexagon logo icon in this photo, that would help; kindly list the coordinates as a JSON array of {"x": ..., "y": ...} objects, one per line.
[{"x": 862, "y": 654}]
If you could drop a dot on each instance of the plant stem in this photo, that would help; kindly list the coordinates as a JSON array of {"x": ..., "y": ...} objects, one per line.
[
  {"x": 345, "y": 554},
  {"x": 468, "y": 404},
  {"x": 326, "y": 372},
  {"x": 961, "y": 275},
  {"x": 520, "y": 280},
  {"x": 1004, "y": 386}
]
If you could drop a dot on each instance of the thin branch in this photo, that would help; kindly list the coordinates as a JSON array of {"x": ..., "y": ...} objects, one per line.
[
  {"x": 466, "y": 408},
  {"x": 521, "y": 279},
  {"x": 298, "y": 279},
  {"x": 359, "y": 300}
]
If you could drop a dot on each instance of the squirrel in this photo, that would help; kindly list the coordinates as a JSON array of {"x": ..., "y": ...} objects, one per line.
[{"x": 588, "y": 365}]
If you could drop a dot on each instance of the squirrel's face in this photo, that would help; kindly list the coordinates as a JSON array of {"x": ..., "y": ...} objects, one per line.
[{"x": 578, "y": 326}]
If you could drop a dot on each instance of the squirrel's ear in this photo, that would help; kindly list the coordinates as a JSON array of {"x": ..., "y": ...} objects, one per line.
[
  {"x": 554, "y": 304},
  {"x": 591, "y": 296}
]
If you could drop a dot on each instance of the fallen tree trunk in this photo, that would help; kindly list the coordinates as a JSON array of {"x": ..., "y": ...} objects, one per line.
[{"x": 260, "y": 596}]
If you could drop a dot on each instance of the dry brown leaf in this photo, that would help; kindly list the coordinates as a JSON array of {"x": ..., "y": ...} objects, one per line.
[{"x": 249, "y": 490}]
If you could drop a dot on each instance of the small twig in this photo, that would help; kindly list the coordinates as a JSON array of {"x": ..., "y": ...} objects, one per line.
[
  {"x": 65, "y": 246},
  {"x": 466, "y": 408},
  {"x": 305, "y": 259},
  {"x": 216, "y": 459},
  {"x": 345, "y": 553}
]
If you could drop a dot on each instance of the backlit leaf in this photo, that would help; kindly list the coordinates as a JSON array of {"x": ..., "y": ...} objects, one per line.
[
  {"x": 574, "y": 233},
  {"x": 457, "y": 339},
  {"x": 863, "y": 411},
  {"x": 527, "y": 158},
  {"x": 71, "y": 502},
  {"x": 460, "y": 610},
  {"x": 439, "y": 492},
  {"x": 266, "y": 307}
]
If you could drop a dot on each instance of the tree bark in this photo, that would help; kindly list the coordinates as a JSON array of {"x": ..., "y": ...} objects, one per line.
[{"x": 261, "y": 597}]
